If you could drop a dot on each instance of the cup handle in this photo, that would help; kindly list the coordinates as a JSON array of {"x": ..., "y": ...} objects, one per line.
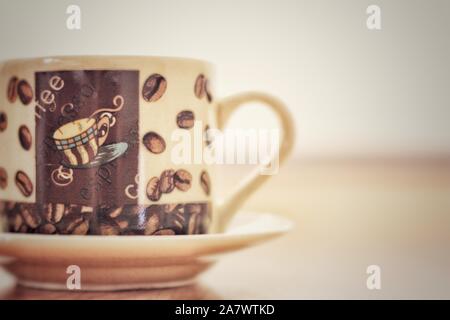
[
  {"x": 104, "y": 121},
  {"x": 229, "y": 206}
]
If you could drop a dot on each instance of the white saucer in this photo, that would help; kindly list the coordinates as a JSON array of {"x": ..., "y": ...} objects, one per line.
[{"x": 130, "y": 262}]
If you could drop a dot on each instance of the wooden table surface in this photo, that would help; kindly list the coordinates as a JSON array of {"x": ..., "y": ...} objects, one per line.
[{"x": 349, "y": 215}]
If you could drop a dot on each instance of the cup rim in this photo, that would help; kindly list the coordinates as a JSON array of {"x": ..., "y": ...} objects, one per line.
[
  {"x": 124, "y": 58},
  {"x": 71, "y": 137}
]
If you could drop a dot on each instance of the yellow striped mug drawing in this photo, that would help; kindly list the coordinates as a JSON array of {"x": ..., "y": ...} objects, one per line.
[{"x": 80, "y": 140}]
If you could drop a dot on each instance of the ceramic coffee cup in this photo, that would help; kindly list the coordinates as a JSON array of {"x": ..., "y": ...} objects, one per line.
[{"x": 87, "y": 146}]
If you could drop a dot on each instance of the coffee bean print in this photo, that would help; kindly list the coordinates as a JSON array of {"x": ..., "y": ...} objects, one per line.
[
  {"x": 47, "y": 229},
  {"x": 24, "y": 184},
  {"x": 109, "y": 229},
  {"x": 81, "y": 229},
  {"x": 73, "y": 223},
  {"x": 25, "y": 92},
  {"x": 30, "y": 216},
  {"x": 169, "y": 208},
  {"x": 86, "y": 210},
  {"x": 156, "y": 219},
  {"x": 152, "y": 224},
  {"x": 123, "y": 224},
  {"x": 25, "y": 137},
  {"x": 3, "y": 121},
  {"x": 166, "y": 181},
  {"x": 53, "y": 213},
  {"x": 199, "y": 88},
  {"x": 164, "y": 232},
  {"x": 3, "y": 178},
  {"x": 193, "y": 208},
  {"x": 182, "y": 180},
  {"x": 154, "y": 142},
  {"x": 154, "y": 88},
  {"x": 135, "y": 211},
  {"x": 15, "y": 222},
  {"x": 185, "y": 119},
  {"x": 205, "y": 182},
  {"x": 116, "y": 212},
  {"x": 208, "y": 92},
  {"x": 153, "y": 192},
  {"x": 12, "y": 89},
  {"x": 193, "y": 223},
  {"x": 23, "y": 229}
]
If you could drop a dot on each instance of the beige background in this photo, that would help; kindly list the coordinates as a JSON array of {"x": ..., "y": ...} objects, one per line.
[
  {"x": 350, "y": 89},
  {"x": 370, "y": 180}
]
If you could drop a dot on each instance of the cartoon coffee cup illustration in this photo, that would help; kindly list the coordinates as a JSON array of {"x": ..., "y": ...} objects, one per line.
[{"x": 81, "y": 140}]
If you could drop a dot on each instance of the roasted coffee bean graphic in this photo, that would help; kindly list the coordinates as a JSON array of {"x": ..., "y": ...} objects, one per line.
[
  {"x": 87, "y": 211},
  {"x": 109, "y": 229},
  {"x": 74, "y": 223},
  {"x": 15, "y": 221},
  {"x": 47, "y": 228},
  {"x": 193, "y": 208},
  {"x": 25, "y": 92},
  {"x": 169, "y": 208},
  {"x": 178, "y": 222},
  {"x": 152, "y": 224},
  {"x": 53, "y": 212},
  {"x": 205, "y": 182},
  {"x": 25, "y": 137},
  {"x": 123, "y": 220},
  {"x": 24, "y": 183},
  {"x": 135, "y": 211},
  {"x": 30, "y": 216},
  {"x": 164, "y": 219},
  {"x": 199, "y": 88},
  {"x": 164, "y": 232},
  {"x": 208, "y": 92},
  {"x": 166, "y": 181},
  {"x": 194, "y": 221},
  {"x": 3, "y": 178},
  {"x": 123, "y": 224},
  {"x": 106, "y": 220},
  {"x": 3, "y": 121},
  {"x": 185, "y": 119},
  {"x": 182, "y": 179},
  {"x": 154, "y": 142},
  {"x": 23, "y": 229},
  {"x": 12, "y": 89},
  {"x": 154, "y": 88},
  {"x": 115, "y": 212},
  {"x": 153, "y": 192},
  {"x": 82, "y": 228},
  {"x": 173, "y": 215}
]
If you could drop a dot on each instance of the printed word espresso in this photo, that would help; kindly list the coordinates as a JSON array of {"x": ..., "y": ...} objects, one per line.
[{"x": 232, "y": 309}]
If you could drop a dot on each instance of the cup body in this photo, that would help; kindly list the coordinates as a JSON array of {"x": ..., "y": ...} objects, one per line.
[{"x": 68, "y": 174}]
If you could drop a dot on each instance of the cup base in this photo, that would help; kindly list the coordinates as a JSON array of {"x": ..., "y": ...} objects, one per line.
[{"x": 150, "y": 275}]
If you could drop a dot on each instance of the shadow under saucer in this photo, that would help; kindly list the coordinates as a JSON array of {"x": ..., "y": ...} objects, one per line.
[{"x": 195, "y": 291}]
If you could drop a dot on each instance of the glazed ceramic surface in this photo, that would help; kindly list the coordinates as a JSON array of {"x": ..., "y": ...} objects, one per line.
[
  {"x": 115, "y": 263},
  {"x": 88, "y": 146}
]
